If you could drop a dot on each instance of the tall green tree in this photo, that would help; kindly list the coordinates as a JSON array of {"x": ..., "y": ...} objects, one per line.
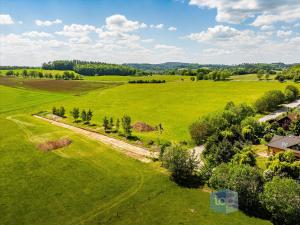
[
  {"x": 182, "y": 164},
  {"x": 126, "y": 124},
  {"x": 75, "y": 113},
  {"x": 62, "y": 111},
  {"x": 54, "y": 110},
  {"x": 281, "y": 197},
  {"x": 247, "y": 181},
  {"x": 105, "y": 124},
  {"x": 89, "y": 116},
  {"x": 83, "y": 116},
  {"x": 111, "y": 122},
  {"x": 117, "y": 125}
]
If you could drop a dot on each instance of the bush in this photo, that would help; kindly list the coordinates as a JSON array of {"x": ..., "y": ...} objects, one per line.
[
  {"x": 269, "y": 101},
  {"x": 199, "y": 131},
  {"x": 268, "y": 137},
  {"x": 281, "y": 197},
  {"x": 291, "y": 92},
  {"x": 146, "y": 81},
  {"x": 59, "y": 112},
  {"x": 246, "y": 157},
  {"x": 247, "y": 181},
  {"x": 284, "y": 164},
  {"x": 182, "y": 164}
]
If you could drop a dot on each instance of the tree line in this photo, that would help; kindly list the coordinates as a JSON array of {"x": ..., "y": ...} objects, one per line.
[
  {"x": 66, "y": 75},
  {"x": 90, "y": 68},
  {"x": 178, "y": 67},
  {"x": 153, "y": 81},
  {"x": 292, "y": 73},
  {"x": 108, "y": 124}
]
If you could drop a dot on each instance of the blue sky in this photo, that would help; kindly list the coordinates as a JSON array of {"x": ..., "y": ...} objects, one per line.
[{"x": 150, "y": 31}]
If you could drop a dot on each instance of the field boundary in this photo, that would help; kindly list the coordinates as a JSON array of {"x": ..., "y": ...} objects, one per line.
[{"x": 130, "y": 150}]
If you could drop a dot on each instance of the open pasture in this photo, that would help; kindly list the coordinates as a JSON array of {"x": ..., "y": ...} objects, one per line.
[
  {"x": 174, "y": 104},
  {"x": 12, "y": 99},
  {"x": 167, "y": 78},
  {"x": 88, "y": 183},
  {"x": 252, "y": 77}
]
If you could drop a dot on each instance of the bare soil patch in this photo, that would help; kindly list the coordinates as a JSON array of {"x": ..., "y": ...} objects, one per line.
[
  {"x": 52, "y": 145},
  {"x": 143, "y": 127},
  {"x": 64, "y": 86}
]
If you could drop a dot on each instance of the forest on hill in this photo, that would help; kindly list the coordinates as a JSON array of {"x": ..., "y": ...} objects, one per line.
[{"x": 90, "y": 68}]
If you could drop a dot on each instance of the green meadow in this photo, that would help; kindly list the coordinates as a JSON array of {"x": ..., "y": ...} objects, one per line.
[
  {"x": 174, "y": 104},
  {"x": 128, "y": 78},
  {"x": 89, "y": 183}
]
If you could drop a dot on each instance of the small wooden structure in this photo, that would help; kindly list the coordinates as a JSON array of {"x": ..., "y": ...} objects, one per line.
[{"x": 283, "y": 143}]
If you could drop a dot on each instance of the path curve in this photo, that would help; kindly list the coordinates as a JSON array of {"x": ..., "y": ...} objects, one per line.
[{"x": 133, "y": 151}]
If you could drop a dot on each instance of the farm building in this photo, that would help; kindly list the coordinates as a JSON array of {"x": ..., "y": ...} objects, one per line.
[
  {"x": 286, "y": 121},
  {"x": 283, "y": 143}
]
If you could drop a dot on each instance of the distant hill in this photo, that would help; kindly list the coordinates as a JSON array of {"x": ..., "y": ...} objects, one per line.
[
  {"x": 179, "y": 65},
  {"x": 171, "y": 66}
]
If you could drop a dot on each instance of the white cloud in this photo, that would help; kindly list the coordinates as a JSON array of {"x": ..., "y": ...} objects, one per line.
[
  {"x": 267, "y": 27},
  {"x": 6, "y": 19},
  {"x": 77, "y": 30},
  {"x": 149, "y": 40},
  {"x": 282, "y": 33},
  {"x": 121, "y": 23},
  {"x": 117, "y": 33},
  {"x": 216, "y": 51},
  {"x": 47, "y": 22},
  {"x": 172, "y": 28},
  {"x": 167, "y": 47},
  {"x": 263, "y": 12},
  {"x": 228, "y": 39},
  {"x": 158, "y": 26},
  {"x": 216, "y": 33},
  {"x": 36, "y": 34},
  {"x": 80, "y": 40},
  {"x": 224, "y": 44}
]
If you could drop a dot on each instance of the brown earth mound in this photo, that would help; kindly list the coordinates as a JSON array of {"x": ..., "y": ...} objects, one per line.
[
  {"x": 52, "y": 145},
  {"x": 142, "y": 127}
]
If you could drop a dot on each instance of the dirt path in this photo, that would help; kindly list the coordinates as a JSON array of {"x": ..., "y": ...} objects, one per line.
[{"x": 126, "y": 148}]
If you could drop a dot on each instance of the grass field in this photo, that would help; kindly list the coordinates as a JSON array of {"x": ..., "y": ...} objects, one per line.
[
  {"x": 251, "y": 77},
  {"x": 85, "y": 182},
  {"x": 127, "y": 78},
  {"x": 175, "y": 104},
  {"x": 12, "y": 99}
]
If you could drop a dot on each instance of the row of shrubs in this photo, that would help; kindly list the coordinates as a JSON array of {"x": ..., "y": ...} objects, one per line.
[
  {"x": 108, "y": 124},
  {"x": 146, "y": 81},
  {"x": 39, "y": 74}
]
